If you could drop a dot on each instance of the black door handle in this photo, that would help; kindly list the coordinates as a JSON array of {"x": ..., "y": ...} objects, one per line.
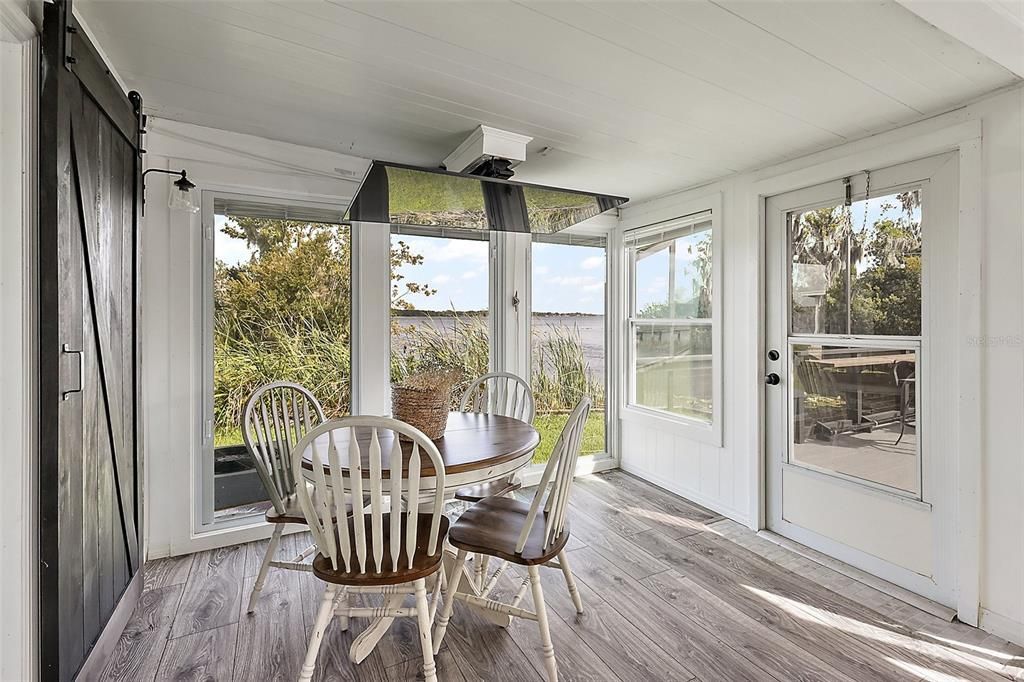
[{"x": 772, "y": 379}]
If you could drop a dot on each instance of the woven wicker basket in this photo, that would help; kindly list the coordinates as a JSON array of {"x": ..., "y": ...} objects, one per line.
[{"x": 424, "y": 408}]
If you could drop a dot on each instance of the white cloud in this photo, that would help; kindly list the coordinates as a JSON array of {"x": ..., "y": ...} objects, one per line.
[
  {"x": 440, "y": 279},
  {"x": 443, "y": 250},
  {"x": 470, "y": 274},
  {"x": 592, "y": 263},
  {"x": 581, "y": 282},
  {"x": 541, "y": 270}
]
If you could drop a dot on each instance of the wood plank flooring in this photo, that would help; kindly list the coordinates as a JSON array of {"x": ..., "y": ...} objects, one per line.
[{"x": 671, "y": 592}]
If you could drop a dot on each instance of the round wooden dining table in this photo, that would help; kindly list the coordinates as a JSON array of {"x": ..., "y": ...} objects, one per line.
[{"x": 476, "y": 448}]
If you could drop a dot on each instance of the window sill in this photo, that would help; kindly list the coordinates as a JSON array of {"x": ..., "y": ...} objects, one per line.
[
  {"x": 586, "y": 464},
  {"x": 710, "y": 434}
]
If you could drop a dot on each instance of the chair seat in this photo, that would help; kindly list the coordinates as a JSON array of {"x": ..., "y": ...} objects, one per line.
[
  {"x": 496, "y": 488},
  {"x": 423, "y": 564},
  {"x": 292, "y": 512},
  {"x": 492, "y": 526}
]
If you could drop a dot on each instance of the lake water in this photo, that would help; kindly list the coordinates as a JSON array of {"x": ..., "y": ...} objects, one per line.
[{"x": 589, "y": 327}]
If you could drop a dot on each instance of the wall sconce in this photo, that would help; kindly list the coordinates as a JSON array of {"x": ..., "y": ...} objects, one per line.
[{"x": 181, "y": 196}]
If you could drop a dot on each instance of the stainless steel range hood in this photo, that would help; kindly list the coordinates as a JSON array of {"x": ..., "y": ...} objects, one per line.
[{"x": 408, "y": 195}]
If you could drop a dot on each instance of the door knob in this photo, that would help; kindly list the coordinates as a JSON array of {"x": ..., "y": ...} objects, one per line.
[{"x": 772, "y": 379}]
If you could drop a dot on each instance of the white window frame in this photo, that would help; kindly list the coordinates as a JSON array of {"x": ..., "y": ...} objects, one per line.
[
  {"x": 608, "y": 459},
  {"x": 204, "y": 521},
  {"x": 697, "y": 211}
]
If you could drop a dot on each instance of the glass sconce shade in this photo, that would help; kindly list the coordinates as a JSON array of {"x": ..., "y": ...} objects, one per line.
[{"x": 182, "y": 195}]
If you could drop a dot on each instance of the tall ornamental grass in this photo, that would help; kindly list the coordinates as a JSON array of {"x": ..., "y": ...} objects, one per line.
[{"x": 250, "y": 353}]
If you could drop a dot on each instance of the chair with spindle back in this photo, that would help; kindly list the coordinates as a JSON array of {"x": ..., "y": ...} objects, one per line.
[
  {"x": 505, "y": 394},
  {"x": 275, "y": 418},
  {"x": 508, "y": 528},
  {"x": 508, "y": 395},
  {"x": 376, "y": 550}
]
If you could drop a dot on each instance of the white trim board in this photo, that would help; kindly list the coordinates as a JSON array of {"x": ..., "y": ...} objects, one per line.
[
  {"x": 687, "y": 493},
  {"x": 19, "y": 69},
  {"x": 1002, "y": 626}
]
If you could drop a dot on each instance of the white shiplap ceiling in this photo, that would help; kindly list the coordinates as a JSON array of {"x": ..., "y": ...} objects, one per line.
[{"x": 632, "y": 98}]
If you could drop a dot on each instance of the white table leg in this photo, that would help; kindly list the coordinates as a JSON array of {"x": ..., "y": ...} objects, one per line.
[{"x": 368, "y": 638}]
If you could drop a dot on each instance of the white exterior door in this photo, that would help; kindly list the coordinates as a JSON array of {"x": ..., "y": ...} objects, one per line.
[{"x": 861, "y": 301}]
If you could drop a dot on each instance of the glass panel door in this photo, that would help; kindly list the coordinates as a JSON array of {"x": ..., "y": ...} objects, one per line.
[{"x": 861, "y": 315}]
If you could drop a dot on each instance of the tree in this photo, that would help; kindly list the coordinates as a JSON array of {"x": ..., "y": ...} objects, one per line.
[
  {"x": 285, "y": 313},
  {"x": 825, "y": 238}
]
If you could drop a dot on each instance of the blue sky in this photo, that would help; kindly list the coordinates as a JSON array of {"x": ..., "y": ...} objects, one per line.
[{"x": 565, "y": 278}]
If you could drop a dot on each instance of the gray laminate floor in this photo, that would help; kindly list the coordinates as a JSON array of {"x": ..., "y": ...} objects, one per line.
[{"x": 671, "y": 591}]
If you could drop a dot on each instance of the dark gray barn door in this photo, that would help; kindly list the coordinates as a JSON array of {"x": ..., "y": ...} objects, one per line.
[{"x": 89, "y": 387}]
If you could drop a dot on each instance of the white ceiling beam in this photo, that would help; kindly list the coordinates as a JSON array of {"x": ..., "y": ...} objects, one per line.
[{"x": 995, "y": 28}]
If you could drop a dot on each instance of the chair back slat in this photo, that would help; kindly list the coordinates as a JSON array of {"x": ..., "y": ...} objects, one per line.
[
  {"x": 413, "y": 502},
  {"x": 271, "y": 426},
  {"x": 556, "y": 481},
  {"x": 395, "y": 471},
  {"x": 343, "y": 543},
  {"x": 376, "y": 501},
  {"x": 348, "y": 543},
  {"x": 501, "y": 393},
  {"x": 355, "y": 475}
]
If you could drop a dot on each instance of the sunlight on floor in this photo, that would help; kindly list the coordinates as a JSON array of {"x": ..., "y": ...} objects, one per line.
[{"x": 813, "y": 614}]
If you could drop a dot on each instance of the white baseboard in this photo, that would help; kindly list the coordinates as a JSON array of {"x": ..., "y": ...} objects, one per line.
[
  {"x": 688, "y": 493},
  {"x": 259, "y": 530},
  {"x": 1002, "y": 626}
]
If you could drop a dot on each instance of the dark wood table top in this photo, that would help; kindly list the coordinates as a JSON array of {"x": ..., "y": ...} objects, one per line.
[{"x": 471, "y": 442}]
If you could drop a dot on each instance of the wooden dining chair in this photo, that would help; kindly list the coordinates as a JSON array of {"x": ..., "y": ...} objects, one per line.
[
  {"x": 508, "y": 528},
  {"x": 508, "y": 395},
  {"x": 388, "y": 547},
  {"x": 505, "y": 394},
  {"x": 275, "y": 418}
]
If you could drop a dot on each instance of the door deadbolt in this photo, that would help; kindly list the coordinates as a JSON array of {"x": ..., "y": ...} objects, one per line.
[{"x": 773, "y": 355}]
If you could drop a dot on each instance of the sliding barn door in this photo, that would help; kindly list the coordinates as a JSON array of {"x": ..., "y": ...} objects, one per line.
[{"x": 90, "y": 478}]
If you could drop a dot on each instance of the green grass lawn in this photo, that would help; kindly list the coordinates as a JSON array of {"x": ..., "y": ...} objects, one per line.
[{"x": 550, "y": 426}]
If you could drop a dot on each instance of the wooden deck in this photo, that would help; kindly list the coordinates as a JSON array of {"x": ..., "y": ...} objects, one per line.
[{"x": 671, "y": 591}]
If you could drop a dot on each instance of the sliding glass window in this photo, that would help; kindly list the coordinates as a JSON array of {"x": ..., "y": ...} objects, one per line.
[
  {"x": 568, "y": 334},
  {"x": 279, "y": 310}
]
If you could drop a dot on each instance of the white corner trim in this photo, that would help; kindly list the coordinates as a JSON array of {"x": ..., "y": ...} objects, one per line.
[
  {"x": 971, "y": 236},
  {"x": 19, "y": 345},
  {"x": 16, "y": 22}
]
